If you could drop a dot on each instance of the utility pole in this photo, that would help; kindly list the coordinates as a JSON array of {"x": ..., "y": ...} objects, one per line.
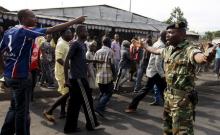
[{"x": 130, "y": 6}]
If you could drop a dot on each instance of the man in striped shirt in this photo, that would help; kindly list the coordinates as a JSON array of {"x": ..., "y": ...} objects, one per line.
[
  {"x": 17, "y": 43},
  {"x": 105, "y": 74}
]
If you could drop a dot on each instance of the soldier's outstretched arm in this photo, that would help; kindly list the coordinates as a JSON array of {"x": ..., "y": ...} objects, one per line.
[
  {"x": 154, "y": 50},
  {"x": 202, "y": 58}
]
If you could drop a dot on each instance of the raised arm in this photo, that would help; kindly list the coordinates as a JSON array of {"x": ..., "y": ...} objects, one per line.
[
  {"x": 154, "y": 50},
  {"x": 65, "y": 25},
  {"x": 202, "y": 58}
]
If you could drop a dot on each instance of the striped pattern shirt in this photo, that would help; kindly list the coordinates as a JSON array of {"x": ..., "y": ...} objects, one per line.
[
  {"x": 17, "y": 43},
  {"x": 104, "y": 72}
]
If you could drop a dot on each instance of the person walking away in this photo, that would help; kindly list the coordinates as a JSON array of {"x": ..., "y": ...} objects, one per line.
[
  {"x": 134, "y": 55},
  {"x": 79, "y": 91},
  {"x": 105, "y": 74},
  {"x": 91, "y": 69},
  {"x": 144, "y": 57},
  {"x": 116, "y": 49},
  {"x": 17, "y": 42},
  {"x": 35, "y": 64},
  {"x": 155, "y": 75},
  {"x": 61, "y": 52},
  {"x": 124, "y": 65},
  {"x": 180, "y": 97},
  {"x": 45, "y": 61}
]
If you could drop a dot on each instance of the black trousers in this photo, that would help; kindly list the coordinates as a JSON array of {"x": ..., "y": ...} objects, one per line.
[
  {"x": 80, "y": 95},
  {"x": 156, "y": 79}
]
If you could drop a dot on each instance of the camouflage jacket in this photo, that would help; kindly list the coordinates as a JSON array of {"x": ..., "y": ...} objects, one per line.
[{"x": 179, "y": 66}]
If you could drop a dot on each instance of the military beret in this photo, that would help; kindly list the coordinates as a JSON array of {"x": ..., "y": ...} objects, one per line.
[{"x": 177, "y": 25}]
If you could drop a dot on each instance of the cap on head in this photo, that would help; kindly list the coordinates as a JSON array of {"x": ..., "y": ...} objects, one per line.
[{"x": 177, "y": 25}]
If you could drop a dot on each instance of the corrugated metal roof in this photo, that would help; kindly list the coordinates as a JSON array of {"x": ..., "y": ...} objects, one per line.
[
  {"x": 191, "y": 33},
  {"x": 137, "y": 26},
  {"x": 101, "y": 15}
]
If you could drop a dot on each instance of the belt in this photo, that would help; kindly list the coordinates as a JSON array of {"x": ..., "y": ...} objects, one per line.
[{"x": 177, "y": 92}]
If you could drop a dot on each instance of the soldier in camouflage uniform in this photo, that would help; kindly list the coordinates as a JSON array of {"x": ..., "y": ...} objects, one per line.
[{"x": 180, "y": 97}]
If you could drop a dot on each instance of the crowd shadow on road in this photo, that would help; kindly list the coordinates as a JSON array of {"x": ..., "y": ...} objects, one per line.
[
  {"x": 40, "y": 105},
  {"x": 142, "y": 120}
]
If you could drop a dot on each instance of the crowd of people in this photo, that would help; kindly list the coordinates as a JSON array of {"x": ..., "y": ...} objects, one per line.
[{"x": 75, "y": 63}]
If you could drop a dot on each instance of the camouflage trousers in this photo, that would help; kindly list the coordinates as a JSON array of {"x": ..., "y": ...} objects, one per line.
[{"x": 178, "y": 119}]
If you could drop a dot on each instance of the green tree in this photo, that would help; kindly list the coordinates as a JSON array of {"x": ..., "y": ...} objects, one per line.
[
  {"x": 209, "y": 35},
  {"x": 176, "y": 16},
  {"x": 217, "y": 34}
]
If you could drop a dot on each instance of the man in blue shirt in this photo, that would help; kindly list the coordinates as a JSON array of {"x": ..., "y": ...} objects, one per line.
[{"x": 17, "y": 43}]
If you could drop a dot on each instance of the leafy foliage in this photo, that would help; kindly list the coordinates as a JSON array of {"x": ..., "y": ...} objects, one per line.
[{"x": 176, "y": 16}]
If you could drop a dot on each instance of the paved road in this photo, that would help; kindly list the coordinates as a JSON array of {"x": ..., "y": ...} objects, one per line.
[{"x": 147, "y": 120}]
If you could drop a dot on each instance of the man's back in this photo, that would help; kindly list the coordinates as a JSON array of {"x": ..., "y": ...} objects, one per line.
[
  {"x": 78, "y": 67},
  {"x": 104, "y": 72}
]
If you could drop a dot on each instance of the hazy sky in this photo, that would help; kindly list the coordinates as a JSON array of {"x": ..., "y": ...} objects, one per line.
[{"x": 202, "y": 15}]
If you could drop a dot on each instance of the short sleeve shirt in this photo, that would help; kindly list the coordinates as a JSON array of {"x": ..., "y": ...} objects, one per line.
[
  {"x": 61, "y": 52},
  {"x": 116, "y": 47},
  {"x": 77, "y": 54},
  {"x": 179, "y": 66},
  {"x": 17, "y": 43}
]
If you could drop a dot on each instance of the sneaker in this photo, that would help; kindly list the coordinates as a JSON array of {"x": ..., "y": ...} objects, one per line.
[
  {"x": 155, "y": 103},
  {"x": 51, "y": 87},
  {"x": 129, "y": 110}
]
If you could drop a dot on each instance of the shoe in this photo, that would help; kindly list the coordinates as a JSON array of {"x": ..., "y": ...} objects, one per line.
[
  {"x": 100, "y": 113},
  {"x": 72, "y": 131},
  {"x": 155, "y": 103},
  {"x": 51, "y": 87},
  {"x": 43, "y": 85},
  {"x": 128, "y": 110},
  {"x": 49, "y": 117}
]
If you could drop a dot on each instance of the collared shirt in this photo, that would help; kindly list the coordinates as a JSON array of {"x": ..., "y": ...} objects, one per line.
[
  {"x": 116, "y": 48},
  {"x": 17, "y": 42},
  {"x": 104, "y": 72},
  {"x": 78, "y": 66},
  {"x": 155, "y": 64},
  {"x": 179, "y": 65},
  {"x": 61, "y": 52}
]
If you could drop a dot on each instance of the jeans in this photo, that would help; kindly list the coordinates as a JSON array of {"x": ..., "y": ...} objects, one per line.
[
  {"x": 106, "y": 93},
  {"x": 217, "y": 65},
  {"x": 140, "y": 72},
  {"x": 116, "y": 63},
  {"x": 123, "y": 76},
  {"x": 34, "y": 76},
  {"x": 17, "y": 120},
  {"x": 156, "y": 79},
  {"x": 157, "y": 94}
]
